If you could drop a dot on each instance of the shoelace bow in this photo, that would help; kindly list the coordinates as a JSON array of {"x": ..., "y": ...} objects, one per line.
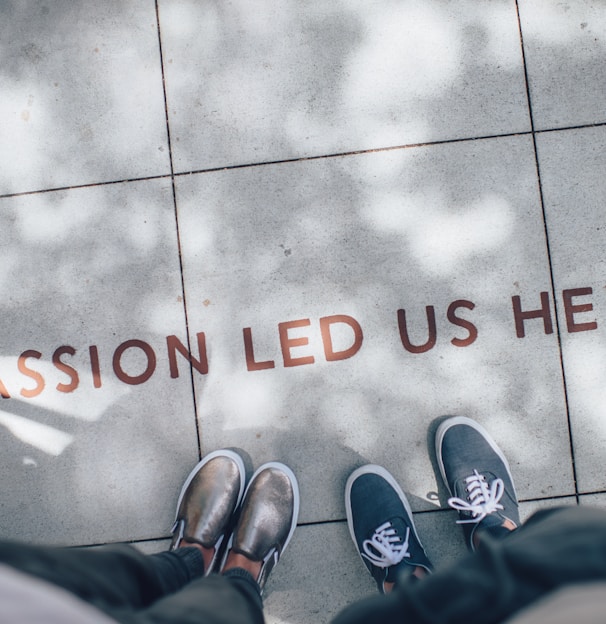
[
  {"x": 386, "y": 548},
  {"x": 482, "y": 500}
]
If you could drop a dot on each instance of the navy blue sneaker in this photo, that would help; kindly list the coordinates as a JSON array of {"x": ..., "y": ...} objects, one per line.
[
  {"x": 477, "y": 476},
  {"x": 381, "y": 525}
]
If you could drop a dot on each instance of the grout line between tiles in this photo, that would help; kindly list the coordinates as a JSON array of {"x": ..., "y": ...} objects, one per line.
[
  {"x": 437, "y": 510},
  {"x": 72, "y": 187},
  {"x": 176, "y": 212},
  {"x": 449, "y": 510},
  {"x": 548, "y": 246},
  {"x": 174, "y": 174},
  {"x": 353, "y": 153},
  {"x": 567, "y": 128}
]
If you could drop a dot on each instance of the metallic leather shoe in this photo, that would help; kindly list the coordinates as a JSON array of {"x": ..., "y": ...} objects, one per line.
[
  {"x": 268, "y": 517},
  {"x": 209, "y": 497}
]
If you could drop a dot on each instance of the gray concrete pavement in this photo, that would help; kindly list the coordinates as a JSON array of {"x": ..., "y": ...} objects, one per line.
[{"x": 308, "y": 230}]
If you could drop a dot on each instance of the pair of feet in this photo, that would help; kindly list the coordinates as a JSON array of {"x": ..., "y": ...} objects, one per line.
[
  {"x": 478, "y": 478},
  {"x": 235, "y": 524}
]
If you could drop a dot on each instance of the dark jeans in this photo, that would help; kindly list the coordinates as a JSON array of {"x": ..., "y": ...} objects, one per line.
[
  {"x": 554, "y": 548},
  {"x": 134, "y": 588}
]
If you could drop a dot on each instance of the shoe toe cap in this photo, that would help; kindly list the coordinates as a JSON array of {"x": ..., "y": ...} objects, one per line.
[
  {"x": 210, "y": 500},
  {"x": 267, "y": 515}
]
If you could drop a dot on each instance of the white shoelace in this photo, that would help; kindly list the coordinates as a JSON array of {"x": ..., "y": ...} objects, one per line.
[
  {"x": 482, "y": 500},
  {"x": 386, "y": 548}
]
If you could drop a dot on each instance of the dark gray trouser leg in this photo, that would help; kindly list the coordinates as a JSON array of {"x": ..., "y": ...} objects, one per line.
[
  {"x": 112, "y": 576},
  {"x": 136, "y": 588},
  {"x": 229, "y": 599},
  {"x": 554, "y": 548}
]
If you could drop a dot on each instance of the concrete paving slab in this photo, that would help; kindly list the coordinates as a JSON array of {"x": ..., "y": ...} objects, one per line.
[
  {"x": 572, "y": 171},
  {"x": 269, "y": 252},
  {"x": 595, "y": 500},
  {"x": 97, "y": 436},
  {"x": 565, "y": 52},
  {"x": 305, "y": 79},
  {"x": 320, "y": 574},
  {"x": 295, "y": 261},
  {"x": 151, "y": 547},
  {"x": 81, "y": 99},
  {"x": 528, "y": 508}
]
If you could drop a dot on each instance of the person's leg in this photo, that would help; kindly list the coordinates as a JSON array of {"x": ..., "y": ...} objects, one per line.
[
  {"x": 372, "y": 497},
  {"x": 213, "y": 599},
  {"x": 107, "y": 577},
  {"x": 266, "y": 522},
  {"x": 207, "y": 504},
  {"x": 175, "y": 586},
  {"x": 554, "y": 548},
  {"x": 481, "y": 486},
  {"x": 503, "y": 575},
  {"x": 119, "y": 577},
  {"x": 133, "y": 588}
]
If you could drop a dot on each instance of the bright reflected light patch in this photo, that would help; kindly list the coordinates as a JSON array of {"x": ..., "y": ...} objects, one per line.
[
  {"x": 47, "y": 439},
  {"x": 404, "y": 54},
  {"x": 85, "y": 403},
  {"x": 255, "y": 402},
  {"x": 440, "y": 239},
  {"x": 586, "y": 376}
]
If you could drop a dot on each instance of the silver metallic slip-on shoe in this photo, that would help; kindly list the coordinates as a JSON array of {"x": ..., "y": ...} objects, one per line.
[
  {"x": 268, "y": 517},
  {"x": 209, "y": 497}
]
